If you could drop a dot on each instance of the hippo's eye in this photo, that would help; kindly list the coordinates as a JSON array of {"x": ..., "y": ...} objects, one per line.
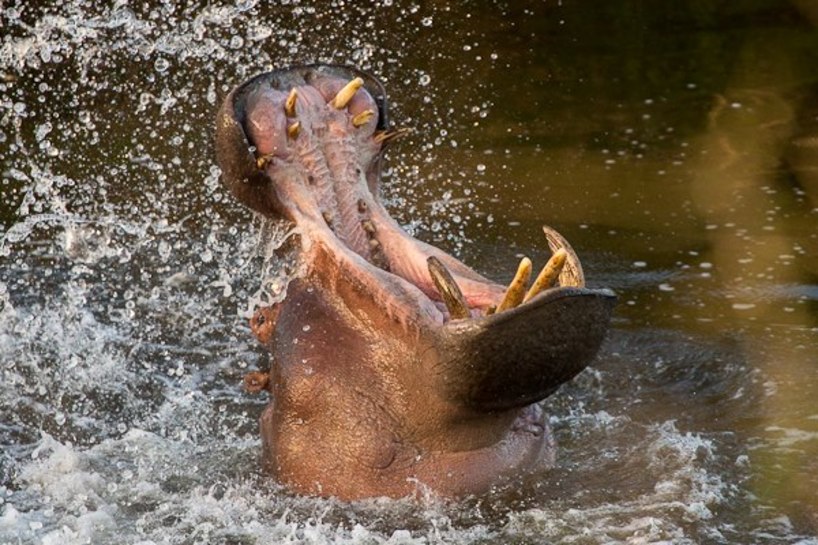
[{"x": 261, "y": 319}]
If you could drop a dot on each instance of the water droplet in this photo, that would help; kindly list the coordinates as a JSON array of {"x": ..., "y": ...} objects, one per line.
[
  {"x": 161, "y": 65},
  {"x": 743, "y": 306}
]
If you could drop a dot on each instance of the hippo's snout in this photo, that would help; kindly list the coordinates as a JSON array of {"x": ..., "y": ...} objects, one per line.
[{"x": 414, "y": 367}]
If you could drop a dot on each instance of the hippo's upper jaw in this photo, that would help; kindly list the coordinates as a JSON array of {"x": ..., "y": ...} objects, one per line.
[{"x": 381, "y": 383}]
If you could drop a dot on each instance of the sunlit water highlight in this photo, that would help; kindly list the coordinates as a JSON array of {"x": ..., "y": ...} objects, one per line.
[{"x": 126, "y": 271}]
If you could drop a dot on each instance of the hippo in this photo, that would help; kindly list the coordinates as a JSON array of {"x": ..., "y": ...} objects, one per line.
[{"x": 396, "y": 369}]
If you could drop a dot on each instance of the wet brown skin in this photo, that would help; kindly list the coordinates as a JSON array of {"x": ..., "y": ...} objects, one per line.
[{"x": 375, "y": 390}]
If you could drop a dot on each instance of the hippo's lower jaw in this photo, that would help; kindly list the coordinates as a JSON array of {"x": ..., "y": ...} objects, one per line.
[{"x": 379, "y": 383}]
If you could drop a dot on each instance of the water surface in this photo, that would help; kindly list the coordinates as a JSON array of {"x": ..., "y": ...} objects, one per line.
[{"x": 676, "y": 147}]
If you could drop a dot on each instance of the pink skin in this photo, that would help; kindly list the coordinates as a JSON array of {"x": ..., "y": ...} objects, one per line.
[
  {"x": 268, "y": 124},
  {"x": 376, "y": 390}
]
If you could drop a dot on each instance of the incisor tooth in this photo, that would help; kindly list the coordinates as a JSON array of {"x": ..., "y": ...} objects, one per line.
[
  {"x": 289, "y": 104},
  {"x": 261, "y": 162},
  {"x": 516, "y": 289},
  {"x": 346, "y": 93},
  {"x": 362, "y": 118},
  {"x": 549, "y": 274},
  {"x": 294, "y": 130},
  {"x": 448, "y": 289}
]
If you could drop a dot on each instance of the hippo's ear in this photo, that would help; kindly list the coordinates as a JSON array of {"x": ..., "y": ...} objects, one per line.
[{"x": 521, "y": 356}]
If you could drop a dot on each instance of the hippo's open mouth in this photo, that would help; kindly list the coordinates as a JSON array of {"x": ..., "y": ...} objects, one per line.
[{"x": 415, "y": 368}]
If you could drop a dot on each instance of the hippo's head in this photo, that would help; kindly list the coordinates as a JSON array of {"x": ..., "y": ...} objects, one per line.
[{"x": 394, "y": 363}]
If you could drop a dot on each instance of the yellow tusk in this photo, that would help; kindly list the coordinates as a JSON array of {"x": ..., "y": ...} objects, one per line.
[
  {"x": 263, "y": 161},
  {"x": 571, "y": 274},
  {"x": 346, "y": 93},
  {"x": 549, "y": 274},
  {"x": 294, "y": 130},
  {"x": 362, "y": 118},
  {"x": 289, "y": 104},
  {"x": 448, "y": 289},
  {"x": 516, "y": 289}
]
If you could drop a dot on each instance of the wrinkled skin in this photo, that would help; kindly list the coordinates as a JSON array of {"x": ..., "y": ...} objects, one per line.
[{"x": 375, "y": 389}]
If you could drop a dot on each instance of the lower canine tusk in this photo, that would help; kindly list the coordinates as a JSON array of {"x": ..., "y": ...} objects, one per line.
[
  {"x": 448, "y": 289},
  {"x": 549, "y": 274},
  {"x": 571, "y": 274},
  {"x": 516, "y": 289}
]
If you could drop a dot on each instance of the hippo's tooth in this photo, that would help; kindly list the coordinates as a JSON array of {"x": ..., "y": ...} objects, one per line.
[
  {"x": 448, "y": 289},
  {"x": 346, "y": 93},
  {"x": 571, "y": 274},
  {"x": 362, "y": 118},
  {"x": 548, "y": 275},
  {"x": 294, "y": 130},
  {"x": 261, "y": 162},
  {"x": 289, "y": 104},
  {"x": 516, "y": 289},
  {"x": 385, "y": 136},
  {"x": 368, "y": 226}
]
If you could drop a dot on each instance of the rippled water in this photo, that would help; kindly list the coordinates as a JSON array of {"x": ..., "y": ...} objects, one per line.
[{"x": 676, "y": 147}]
